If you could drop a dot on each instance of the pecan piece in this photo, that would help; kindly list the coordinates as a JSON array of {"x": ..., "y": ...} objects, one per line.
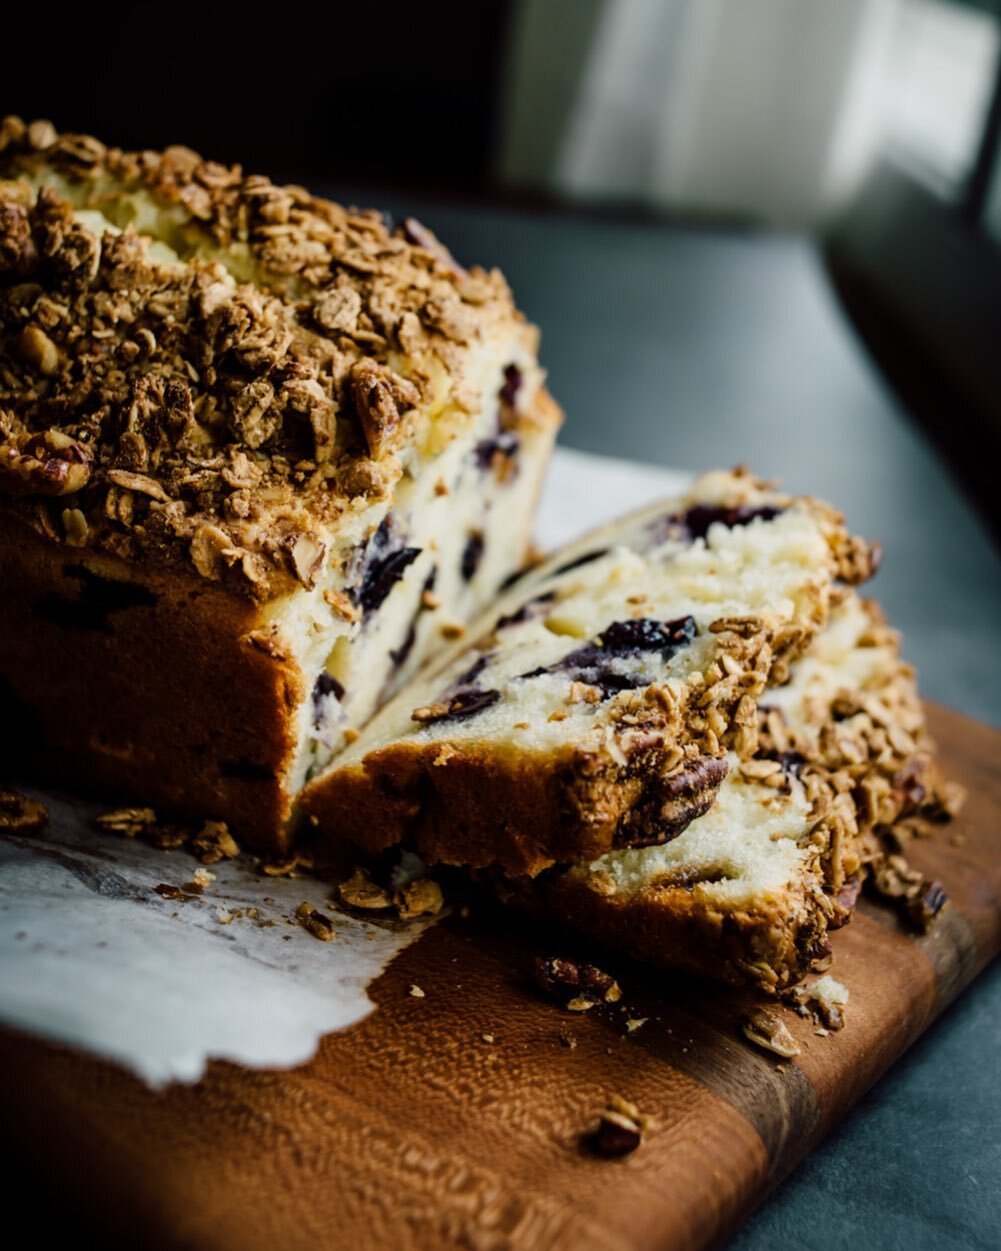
[
  {"x": 620, "y": 1129},
  {"x": 575, "y": 984},
  {"x": 48, "y": 463},
  {"x": 768, "y": 1032}
]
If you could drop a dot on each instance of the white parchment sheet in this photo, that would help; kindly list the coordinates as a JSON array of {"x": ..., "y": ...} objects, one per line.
[{"x": 93, "y": 956}]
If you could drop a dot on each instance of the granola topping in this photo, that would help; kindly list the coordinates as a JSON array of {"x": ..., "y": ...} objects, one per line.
[{"x": 217, "y": 396}]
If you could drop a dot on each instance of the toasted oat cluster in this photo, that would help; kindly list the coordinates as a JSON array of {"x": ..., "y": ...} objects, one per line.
[
  {"x": 594, "y": 707},
  {"x": 260, "y": 456}
]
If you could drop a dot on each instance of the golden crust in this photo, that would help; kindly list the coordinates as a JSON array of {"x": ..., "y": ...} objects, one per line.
[
  {"x": 226, "y": 411},
  {"x": 771, "y": 944},
  {"x": 142, "y": 685}
]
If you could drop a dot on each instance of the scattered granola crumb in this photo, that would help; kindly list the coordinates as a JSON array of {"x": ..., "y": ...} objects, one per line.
[
  {"x": 126, "y": 821},
  {"x": 213, "y": 842},
  {"x": 166, "y": 891},
  {"x": 203, "y": 877},
  {"x": 21, "y": 815},
  {"x": 416, "y": 992},
  {"x": 620, "y": 1129},
  {"x": 223, "y": 916},
  {"x": 359, "y": 891},
  {"x": 575, "y": 984},
  {"x": 420, "y": 898},
  {"x": 568, "y": 1040},
  {"x": 487, "y": 1038},
  {"x": 287, "y": 868},
  {"x": 636, "y": 1022},
  {"x": 767, "y": 1031},
  {"x": 823, "y": 999},
  {"x": 314, "y": 922}
]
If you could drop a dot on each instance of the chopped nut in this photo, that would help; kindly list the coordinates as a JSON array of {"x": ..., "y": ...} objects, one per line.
[
  {"x": 429, "y": 712},
  {"x": 166, "y": 891},
  {"x": 280, "y": 868},
  {"x": 430, "y": 600},
  {"x": 636, "y": 1022},
  {"x": 359, "y": 891},
  {"x": 620, "y": 1129},
  {"x": 21, "y": 815},
  {"x": 416, "y": 992},
  {"x": 213, "y": 842},
  {"x": 824, "y": 999},
  {"x": 487, "y": 1038},
  {"x": 126, "y": 821},
  {"x": 315, "y": 922},
  {"x": 420, "y": 898},
  {"x": 924, "y": 907},
  {"x": 575, "y": 984},
  {"x": 767, "y": 1031},
  {"x": 341, "y": 604}
]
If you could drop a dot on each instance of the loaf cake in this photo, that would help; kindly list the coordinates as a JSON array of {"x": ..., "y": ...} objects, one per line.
[
  {"x": 593, "y": 708},
  {"x": 260, "y": 456},
  {"x": 750, "y": 891}
]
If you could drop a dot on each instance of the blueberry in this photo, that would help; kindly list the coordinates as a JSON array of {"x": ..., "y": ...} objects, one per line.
[
  {"x": 526, "y": 612},
  {"x": 323, "y": 686},
  {"x": 383, "y": 563},
  {"x": 628, "y": 638},
  {"x": 472, "y": 554},
  {"x": 699, "y": 518},
  {"x": 581, "y": 560},
  {"x": 512, "y": 385},
  {"x": 399, "y": 654}
]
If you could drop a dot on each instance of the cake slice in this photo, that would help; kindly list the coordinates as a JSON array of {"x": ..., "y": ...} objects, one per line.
[
  {"x": 260, "y": 456},
  {"x": 593, "y": 708},
  {"x": 750, "y": 891}
]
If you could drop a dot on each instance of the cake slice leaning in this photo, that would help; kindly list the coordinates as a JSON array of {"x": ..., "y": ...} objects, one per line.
[
  {"x": 594, "y": 707},
  {"x": 751, "y": 890}
]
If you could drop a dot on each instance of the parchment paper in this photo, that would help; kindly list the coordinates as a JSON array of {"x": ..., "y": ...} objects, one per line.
[{"x": 93, "y": 956}]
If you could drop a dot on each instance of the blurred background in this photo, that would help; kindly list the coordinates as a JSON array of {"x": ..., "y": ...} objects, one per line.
[
  {"x": 765, "y": 231},
  {"x": 870, "y": 126}
]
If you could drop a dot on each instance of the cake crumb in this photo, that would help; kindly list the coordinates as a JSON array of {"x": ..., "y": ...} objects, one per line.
[{"x": 314, "y": 922}]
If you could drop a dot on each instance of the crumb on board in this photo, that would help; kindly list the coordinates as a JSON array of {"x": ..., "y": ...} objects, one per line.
[
  {"x": 578, "y": 986},
  {"x": 823, "y": 999},
  {"x": 766, "y": 1030},
  {"x": 314, "y": 922},
  {"x": 620, "y": 1129}
]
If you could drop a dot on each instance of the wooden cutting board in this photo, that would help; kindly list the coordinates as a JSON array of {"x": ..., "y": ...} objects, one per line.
[{"x": 455, "y": 1119}]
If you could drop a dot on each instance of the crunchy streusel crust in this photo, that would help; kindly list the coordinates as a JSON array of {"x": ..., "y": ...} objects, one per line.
[
  {"x": 861, "y": 753},
  {"x": 228, "y": 412}
]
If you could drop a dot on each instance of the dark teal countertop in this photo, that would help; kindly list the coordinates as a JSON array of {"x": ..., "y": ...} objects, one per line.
[{"x": 702, "y": 349}]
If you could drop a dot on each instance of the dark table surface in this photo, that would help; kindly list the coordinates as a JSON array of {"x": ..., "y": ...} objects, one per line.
[{"x": 698, "y": 349}]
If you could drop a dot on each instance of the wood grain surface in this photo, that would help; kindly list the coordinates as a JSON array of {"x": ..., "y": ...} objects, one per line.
[{"x": 456, "y": 1119}]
